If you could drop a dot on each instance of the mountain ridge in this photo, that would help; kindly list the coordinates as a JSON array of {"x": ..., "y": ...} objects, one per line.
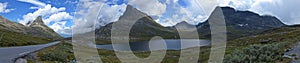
[
  {"x": 243, "y": 23},
  {"x": 239, "y": 24},
  {"x": 37, "y": 28},
  {"x": 143, "y": 28}
]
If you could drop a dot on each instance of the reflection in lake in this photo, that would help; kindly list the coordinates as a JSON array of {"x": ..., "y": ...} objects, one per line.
[{"x": 172, "y": 44}]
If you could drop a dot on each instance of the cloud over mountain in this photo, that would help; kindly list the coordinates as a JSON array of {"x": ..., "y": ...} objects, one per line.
[
  {"x": 285, "y": 10},
  {"x": 55, "y": 17}
]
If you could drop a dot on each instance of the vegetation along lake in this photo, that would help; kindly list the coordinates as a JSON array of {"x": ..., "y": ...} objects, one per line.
[{"x": 171, "y": 44}]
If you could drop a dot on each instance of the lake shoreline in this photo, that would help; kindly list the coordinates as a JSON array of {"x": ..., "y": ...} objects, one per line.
[{"x": 171, "y": 44}]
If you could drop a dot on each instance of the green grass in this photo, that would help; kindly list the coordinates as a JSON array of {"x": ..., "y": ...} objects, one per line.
[
  {"x": 58, "y": 53},
  {"x": 61, "y": 53},
  {"x": 269, "y": 45},
  {"x": 269, "y": 53},
  {"x": 8, "y": 38},
  {"x": 268, "y": 41},
  {"x": 172, "y": 56}
]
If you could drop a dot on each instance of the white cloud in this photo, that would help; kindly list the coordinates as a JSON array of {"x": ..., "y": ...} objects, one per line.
[
  {"x": 35, "y": 2},
  {"x": 170, "y": 12},
  {"x": 60, "y": 27},
  {"x": 58, "y": 17},
  {"x": 86, "y": 15},
  {"x": 195, "y": 12},
  {"x": 151, "y": 7},
  {"x": 34, "y": 8},
  {"x": 96, "y": 13},
  {"x": 238, "y": 4},
  {"x": 71, "y": 2},
  {"x": 110, "y": 14},
  {"x": 50, "y": 14},
  {"x": 3, "y": 8},
  {"x": 285, "y": 10},
  {"x": 48, "y": 10}
]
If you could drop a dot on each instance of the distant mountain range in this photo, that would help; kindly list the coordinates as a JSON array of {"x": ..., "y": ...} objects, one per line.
[
  {"x": 238, "y": 23},
  {"x": 242, "y": 23},
  {"x": 13, "y": 33}
]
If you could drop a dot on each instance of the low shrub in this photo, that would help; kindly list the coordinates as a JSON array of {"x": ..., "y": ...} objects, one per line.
[{"x": 269, "y": 53}]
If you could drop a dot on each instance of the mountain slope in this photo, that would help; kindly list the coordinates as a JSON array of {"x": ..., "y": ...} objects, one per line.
[
  {"x": 242, "y": 23},
  {"x": 238, "y": 23},
  {"x": 144, "y": 28},
  {"x": 278, "y": 40},
  {"x": 184, "y": 26},
  {"x": 6, "y": 24},
  {"x": 39, "y": 29},
  {"x": 15, "y": 34}
]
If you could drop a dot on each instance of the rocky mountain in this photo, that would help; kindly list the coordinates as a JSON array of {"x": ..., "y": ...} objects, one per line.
[
  {"x": 6, "y": 24},
  {"x": 36, "y": 29},
  {"x": 39, "y": 29},
  {"x": 144, "y": 27},
  {"x": 242, "y": 23},
  {"x": 238, "y": 23},
  {"x": 184, "y": 26}
]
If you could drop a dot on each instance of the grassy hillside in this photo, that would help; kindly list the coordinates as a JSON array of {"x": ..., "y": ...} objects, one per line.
[
  {"x": 62, "y": 53},
  {"x": 8, "y": 38},
  {"x": 266, "y": 47}
]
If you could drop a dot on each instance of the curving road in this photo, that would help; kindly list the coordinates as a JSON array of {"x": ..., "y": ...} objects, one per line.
[
  {"x": 9, "y": 54},
  {"x": 295, "y": 50}
]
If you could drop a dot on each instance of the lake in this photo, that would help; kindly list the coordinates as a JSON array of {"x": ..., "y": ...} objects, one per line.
[{"x": 171, "y": 44}]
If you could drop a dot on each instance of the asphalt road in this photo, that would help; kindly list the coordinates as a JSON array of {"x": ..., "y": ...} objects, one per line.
[
  {"x": 295, "y": 50},
  {"x": 9, "y": 54}
]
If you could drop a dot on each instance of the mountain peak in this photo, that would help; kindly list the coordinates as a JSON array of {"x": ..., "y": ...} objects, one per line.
[
  {"x": 183, "y": 22},
  {"x": 129, "y": 7},
  {"x": 130, "y": 10},
  {"x": 184, "y": 26},
  {"x": 37, "y": 28},
  {"x": 240, "y": 23},
  {"x": 37, "y": 21}
]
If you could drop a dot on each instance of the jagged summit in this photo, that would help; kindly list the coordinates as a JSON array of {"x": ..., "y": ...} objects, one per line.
[
  {"x": 130, "y": 9},
  {"x": 144, "y": 25},
  {"x": 238, "y": 24},
  {"x": 37, "y": 28},
  {"x": 37, "y": 21}
]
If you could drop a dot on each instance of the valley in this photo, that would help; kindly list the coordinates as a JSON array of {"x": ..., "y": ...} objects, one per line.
[{"x": 251, "y": 38}]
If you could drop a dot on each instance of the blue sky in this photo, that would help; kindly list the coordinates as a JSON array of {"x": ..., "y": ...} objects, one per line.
[
  {"x": 59, "y": 14},
  {"x": 22, "y": 9}
]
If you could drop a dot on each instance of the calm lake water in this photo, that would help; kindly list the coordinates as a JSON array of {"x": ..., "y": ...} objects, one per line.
[{"x": 171, "y": 44}]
